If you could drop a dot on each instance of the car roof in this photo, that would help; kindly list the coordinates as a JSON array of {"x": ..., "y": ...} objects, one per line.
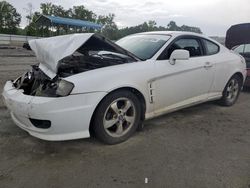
[
  {"x": 173, "y": 33},
  {"x": 178, "y": 33}
]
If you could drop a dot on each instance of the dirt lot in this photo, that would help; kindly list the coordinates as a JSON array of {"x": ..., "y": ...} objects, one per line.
[{"x": 203, "y": 146}]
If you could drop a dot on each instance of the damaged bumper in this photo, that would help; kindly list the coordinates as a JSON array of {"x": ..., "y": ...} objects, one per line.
[{"x": 47, "y": 118}]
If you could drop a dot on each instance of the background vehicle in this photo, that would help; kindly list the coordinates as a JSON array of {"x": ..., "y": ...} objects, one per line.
[
  {"x": 238, "y": 39},
  {"x": 244, "y": 50},
  {"x": 237, "y": 35},
  {"x": 86, "y": 82}
]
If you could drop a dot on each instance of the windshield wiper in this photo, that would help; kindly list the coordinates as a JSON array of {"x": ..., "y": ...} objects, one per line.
[{"x": 114, "y": 55}]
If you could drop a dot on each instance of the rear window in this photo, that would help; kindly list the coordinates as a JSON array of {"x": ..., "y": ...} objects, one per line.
[
  {"x": 239, "y": 49},
  {"x": 211, "y": 48},
  {"x": 247, "y": 48}
]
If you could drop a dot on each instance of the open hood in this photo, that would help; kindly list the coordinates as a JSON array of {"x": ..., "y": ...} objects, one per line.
[{"x": 49, "y": 51}]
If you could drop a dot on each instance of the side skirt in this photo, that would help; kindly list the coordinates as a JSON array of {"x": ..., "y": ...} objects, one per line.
[{"x": 184, "y": 104}]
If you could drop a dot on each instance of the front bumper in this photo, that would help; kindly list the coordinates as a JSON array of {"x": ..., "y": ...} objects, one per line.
[{"x": 69, "y": 116}]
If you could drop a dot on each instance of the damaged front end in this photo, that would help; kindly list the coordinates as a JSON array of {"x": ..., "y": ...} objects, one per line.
[
  {"x": 37, "y": 83},
  {"x": 64, "y": 56}
]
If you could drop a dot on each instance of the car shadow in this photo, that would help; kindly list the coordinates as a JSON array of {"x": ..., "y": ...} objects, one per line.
[
  {"x": 179, "y": 114},
  {"x": 43, "y": 148}
]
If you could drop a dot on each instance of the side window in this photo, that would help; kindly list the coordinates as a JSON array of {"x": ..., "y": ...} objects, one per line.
[
  {"x": 247, "y": 48},
  {"x": 189, "y": 44},
  {"x": 239, "y": 49},
  {"x": 211, "y": 47}
]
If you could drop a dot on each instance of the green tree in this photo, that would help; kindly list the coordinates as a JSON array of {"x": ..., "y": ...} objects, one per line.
[
  {"x": 152, "y": 25},
  {"x": 77, "y": 12},
  {"x": 47, "y": 8},
  {"x": 9, "y": 18},
  {"x": 53, "y": 10},
  {"x": 172, "y": 26},
  {"x": 191, "y": 29},
  {"x": 80, "y": 12},
  {"x": 109, "y": 29},
  {"x": 32, "y": 29}
]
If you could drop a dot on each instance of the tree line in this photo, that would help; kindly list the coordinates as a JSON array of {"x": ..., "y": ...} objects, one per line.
[{"x": 10, "y": 22}]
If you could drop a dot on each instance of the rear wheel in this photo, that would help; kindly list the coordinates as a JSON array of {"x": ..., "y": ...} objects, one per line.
[
  {"x": 117, "y": 117},
  {"x": 231, "y": 91}
]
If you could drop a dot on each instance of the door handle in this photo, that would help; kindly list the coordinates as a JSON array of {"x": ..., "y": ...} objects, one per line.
[{"x": 208, "y": 65}]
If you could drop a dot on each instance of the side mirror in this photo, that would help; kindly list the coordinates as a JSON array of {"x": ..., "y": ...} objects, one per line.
[{"x": 178, "y": 55}]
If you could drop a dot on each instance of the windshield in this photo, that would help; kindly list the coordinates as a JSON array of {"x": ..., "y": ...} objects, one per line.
[{"x": 143, "y": 46}]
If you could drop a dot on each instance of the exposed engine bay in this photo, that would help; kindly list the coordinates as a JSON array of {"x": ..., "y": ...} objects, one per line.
[
  {"x": 34, "y": 82},
  {"x": 96, "y": 52},
  {"x": 37, "y": 83},
  {"x": 78, "y": 62}
]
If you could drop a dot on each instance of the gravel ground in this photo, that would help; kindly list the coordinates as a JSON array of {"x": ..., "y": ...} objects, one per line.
[{"x": 202, "y": 146}]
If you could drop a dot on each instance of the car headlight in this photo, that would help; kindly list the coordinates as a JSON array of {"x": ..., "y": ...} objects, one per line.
[
  {"x": 58, "y": 88},
  {"x": 64, "y": 88}
]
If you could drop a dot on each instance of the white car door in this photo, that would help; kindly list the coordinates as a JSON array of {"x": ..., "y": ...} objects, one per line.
[{"x": 185, "y": 82}]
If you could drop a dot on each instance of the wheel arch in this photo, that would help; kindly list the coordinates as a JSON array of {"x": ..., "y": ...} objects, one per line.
[
  {"x": 224, "y": 101},
  {"x": 240, "y": 76},
  {"x": 238, "y": 73},
  {"x": 138, "y": 93}
]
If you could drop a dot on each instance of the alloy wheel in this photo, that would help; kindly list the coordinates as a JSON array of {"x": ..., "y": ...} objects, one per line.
[
  {"x": 119, "y": 117},
  {"x": 232, "y": 90}
]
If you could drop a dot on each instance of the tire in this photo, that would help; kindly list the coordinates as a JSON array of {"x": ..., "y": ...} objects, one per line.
[
  {"x": 117, "y": 117},
  {"x": 231, "y": 91}
]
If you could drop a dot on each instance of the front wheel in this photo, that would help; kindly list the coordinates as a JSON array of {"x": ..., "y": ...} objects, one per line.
[
  {"x": 231, "y": 91},
  {"x": 117, "y": 117}
]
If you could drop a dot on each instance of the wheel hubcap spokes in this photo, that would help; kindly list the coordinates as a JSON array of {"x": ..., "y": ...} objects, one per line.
[
  {"x": 232, "y": 90},
  {"x": 119, "y": 117}
]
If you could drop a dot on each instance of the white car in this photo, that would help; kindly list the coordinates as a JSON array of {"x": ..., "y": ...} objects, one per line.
[{"x": 85, "y": 83}]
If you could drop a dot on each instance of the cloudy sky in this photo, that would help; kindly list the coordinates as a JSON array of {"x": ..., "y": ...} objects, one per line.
[{"x": 212, "y": 16}]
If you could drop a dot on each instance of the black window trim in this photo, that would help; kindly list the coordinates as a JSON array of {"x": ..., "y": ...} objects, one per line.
[
  {"x": 205, "y": 47},
  {"x": 200, "y": 41}
]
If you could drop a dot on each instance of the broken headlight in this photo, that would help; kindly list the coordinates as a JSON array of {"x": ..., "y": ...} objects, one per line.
[
  {"x": 64, "y": 88},
  {"x": 24, "y": 81},
  {"x": 58, "y": 88}
]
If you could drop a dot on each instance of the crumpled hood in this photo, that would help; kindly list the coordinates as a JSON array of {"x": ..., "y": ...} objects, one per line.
[{"x": 49, "y": 51}]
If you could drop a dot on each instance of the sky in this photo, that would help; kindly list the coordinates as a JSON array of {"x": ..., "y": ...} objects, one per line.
[{"x": 213, "y": 17}]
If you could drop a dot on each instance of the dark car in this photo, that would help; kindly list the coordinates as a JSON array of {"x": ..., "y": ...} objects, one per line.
[
  {"x": 26, "y": 46},
  {"x": 238, "y": 39},
  {"x": 244, "y": 50}
]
